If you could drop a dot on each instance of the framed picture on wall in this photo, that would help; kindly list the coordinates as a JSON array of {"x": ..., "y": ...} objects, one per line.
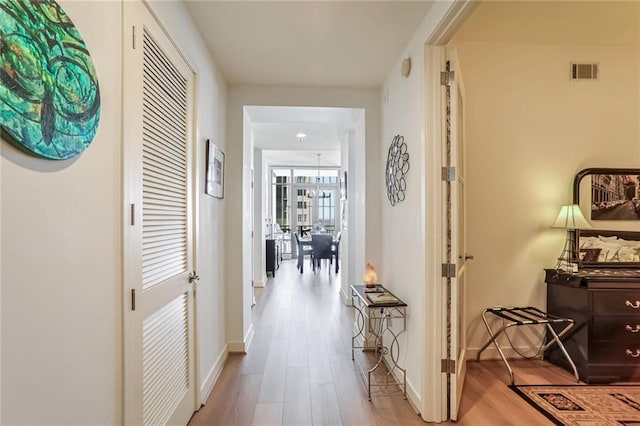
[
  {"x": 214, "y": 182},
  {"x": 615, "y": 194}
]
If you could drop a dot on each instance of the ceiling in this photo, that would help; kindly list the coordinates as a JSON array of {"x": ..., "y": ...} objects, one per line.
[
  {"x": 605, "y": 22},
  {"x": 307, "y": 43},
  {"x": 352, "y": 44},
  {"x": 275, "y": 129}
]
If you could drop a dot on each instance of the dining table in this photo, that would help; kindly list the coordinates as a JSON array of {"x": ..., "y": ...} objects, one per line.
[{"x": 335, "y": 244}]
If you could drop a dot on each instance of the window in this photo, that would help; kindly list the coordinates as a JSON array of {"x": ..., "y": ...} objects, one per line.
[
  {"x": 295, "y": 204},
  {"x": 282, "y": 185}
]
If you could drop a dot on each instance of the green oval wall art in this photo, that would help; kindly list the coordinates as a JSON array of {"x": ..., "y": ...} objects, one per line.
[{"x": 49, "y": 94}]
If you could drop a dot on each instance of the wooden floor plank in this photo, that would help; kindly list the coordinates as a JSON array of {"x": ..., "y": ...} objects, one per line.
[
  {"x": 297, "y": 398},
  {"x": 273, "y": 381},
  {"x": 325, "y": 409},
  {"x": 319, "y": 365},
  {"x": 267, "y": 415}
]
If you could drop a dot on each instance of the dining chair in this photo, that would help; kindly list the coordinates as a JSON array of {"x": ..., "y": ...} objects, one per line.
[
  {"x": 303, "y": 249},
  {"x": 321, "y": 247},
  {"x": 335, "y": 249}
]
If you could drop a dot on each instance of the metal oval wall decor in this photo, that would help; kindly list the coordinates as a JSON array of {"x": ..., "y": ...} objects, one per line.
[
  {"x": 397, "y": 168},
  {"x": 49, "y": 94}
]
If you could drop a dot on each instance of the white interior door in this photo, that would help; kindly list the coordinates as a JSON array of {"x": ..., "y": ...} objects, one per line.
[
  {"x": 456, "y": 240},
  {"x": 158, "y": 229}
]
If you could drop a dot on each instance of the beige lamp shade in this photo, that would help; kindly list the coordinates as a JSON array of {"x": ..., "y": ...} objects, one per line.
[{"x": 571, "y": 217}]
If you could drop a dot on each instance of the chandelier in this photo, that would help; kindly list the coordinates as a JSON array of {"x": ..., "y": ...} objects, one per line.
[{"x": 316, "y": 193}]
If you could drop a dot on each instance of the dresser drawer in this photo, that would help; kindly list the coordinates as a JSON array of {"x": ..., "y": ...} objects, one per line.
[
  {"x": 615, "y": 302},
  {"x": 607, "y": 352},
  {"x": 616, "y": 328}
]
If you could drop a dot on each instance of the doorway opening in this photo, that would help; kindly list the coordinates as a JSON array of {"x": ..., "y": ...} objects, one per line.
[
  {"x": 302, "y": 201},
  {"x": 297, "y": 179}
]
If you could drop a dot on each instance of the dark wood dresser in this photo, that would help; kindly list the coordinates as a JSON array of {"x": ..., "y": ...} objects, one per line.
[{"x": 605, "y": 305}]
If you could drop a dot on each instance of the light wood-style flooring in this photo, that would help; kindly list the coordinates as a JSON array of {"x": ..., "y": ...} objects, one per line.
[{"x": 298, "y": 370}]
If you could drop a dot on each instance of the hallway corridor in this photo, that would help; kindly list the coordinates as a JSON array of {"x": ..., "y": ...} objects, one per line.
[{"x": 298, "y": 370}]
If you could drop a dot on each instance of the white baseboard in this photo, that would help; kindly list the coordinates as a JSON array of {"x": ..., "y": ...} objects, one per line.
[
  {"x": 345, "y": 297},
  {"x": 236, "y": 348},
  {"x": 248, "y": 338},
  {"x": 412, "y": 396},
  {"x": 414, "y": 399},
  {"x": 242, "y": 347},
  {"x": 214, "y": 374}
]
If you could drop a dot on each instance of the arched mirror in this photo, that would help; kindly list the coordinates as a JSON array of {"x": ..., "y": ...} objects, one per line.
[{"x": 610, "y": 200}]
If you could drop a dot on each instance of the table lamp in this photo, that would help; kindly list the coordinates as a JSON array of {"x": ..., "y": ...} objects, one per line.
[
  {"x": 370, "y": 276},
  {"x": 570, "y": 218}
]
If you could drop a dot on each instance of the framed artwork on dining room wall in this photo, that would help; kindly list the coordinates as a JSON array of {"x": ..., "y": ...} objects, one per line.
[{"x": 214, "y": 181}]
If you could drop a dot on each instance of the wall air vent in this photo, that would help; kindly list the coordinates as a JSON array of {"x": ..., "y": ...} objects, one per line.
[{"x": 584, "y": 71}]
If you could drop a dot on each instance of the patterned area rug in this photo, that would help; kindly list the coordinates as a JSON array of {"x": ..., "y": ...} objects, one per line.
[{"x": 585, "y": 405}]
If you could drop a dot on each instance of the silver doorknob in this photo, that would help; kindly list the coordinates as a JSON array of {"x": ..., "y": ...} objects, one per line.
[
  {"x": 193, "y": 277},
  {"x": 468, "y": 257}
]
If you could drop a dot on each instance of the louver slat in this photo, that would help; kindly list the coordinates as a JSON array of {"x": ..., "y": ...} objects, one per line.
[
  {"x": 165, "y": 361},
  {"x": 164, "y": 168}
]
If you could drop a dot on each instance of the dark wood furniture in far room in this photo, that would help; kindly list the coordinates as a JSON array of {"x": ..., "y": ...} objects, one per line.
[
  {"x": 603, "y": 299},
  {"x": 273, "y": 255}
]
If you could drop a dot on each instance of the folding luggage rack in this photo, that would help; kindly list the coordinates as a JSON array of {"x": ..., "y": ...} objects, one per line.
[{"x": 527, "y": 315}]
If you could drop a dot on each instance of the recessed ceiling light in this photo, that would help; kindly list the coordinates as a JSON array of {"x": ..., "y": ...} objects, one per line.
[{"x": 301, "y": 135}]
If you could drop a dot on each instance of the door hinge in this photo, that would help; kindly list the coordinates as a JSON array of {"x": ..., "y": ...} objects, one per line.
[
  {"x": 449, "y": 173},
  {"x": 133, "y": 37},
  {"x": 448, "y": 366},
  {"x": 447, "y": 78},
  {"x": 133, "y": 299},
  {"x": 132, "y": 212},
  {"x": 448, "y": 270}
]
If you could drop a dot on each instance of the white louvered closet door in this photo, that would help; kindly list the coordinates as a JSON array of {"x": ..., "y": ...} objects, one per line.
[{"x": 159, "y": 346}]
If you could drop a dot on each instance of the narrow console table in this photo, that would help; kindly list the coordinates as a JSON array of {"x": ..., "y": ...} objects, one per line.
[{"x": 374, "y": 320}]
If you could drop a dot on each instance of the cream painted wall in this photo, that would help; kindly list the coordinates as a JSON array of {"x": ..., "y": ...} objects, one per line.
[
  {"x": 260, "y": 215},
  {"x": 402, "y": 268},
  {"x": 61, "y": 284},
  {"x": 410, "y": 229},
  {"x": 239, "y": 281},
  {"x": 358, "y": 232},
  {"x": 61, "y": 226},
  {"x": 211, "y": 95},
  {"x": 529, "y": 131}
]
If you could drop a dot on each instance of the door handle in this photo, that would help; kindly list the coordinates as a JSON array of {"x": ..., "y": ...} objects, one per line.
[
  {"x": 193, "y": 277},
  {"x": 465, "y": 257}
]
